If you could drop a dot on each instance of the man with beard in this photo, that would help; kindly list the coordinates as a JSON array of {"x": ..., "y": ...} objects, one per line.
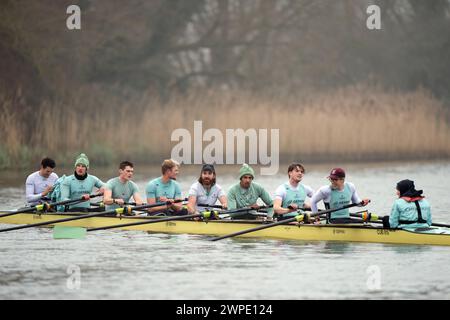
[
  {"x": 40, "y": 183},
  {"x": 80, "y": 184},
  {"x": 246, "y": 193},
  {"x": 166, "y": 189},
  {"x": 291, "y": 196},
  {"x": 121, "y": 189},
  {"x": 206, "y": 190}
]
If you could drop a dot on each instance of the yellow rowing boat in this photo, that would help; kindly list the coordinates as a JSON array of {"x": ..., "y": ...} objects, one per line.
[{"x": 343, "y": 233}]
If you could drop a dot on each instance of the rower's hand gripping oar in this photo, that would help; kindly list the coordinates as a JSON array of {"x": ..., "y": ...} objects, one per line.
[
  {"x": 118, "y": 211},
  {"x": 47, "y": 206},
  {"x": 205, "y": 215},
  {"x": 298, "y": 218}
]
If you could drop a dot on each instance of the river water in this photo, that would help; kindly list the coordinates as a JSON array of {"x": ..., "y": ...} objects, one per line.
[{"x": 136, "y": 265}]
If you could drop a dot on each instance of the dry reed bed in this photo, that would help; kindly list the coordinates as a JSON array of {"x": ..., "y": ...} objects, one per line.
[{"x": 353, "y": 123}]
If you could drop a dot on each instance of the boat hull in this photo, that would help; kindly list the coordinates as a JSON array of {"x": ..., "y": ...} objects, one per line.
[{"x": 342, "y": 233}]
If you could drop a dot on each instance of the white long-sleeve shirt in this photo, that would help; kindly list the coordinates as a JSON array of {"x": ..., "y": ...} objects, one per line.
[
  {"x": 324, "y": 194},
  {"x": 36, "y": 184}
]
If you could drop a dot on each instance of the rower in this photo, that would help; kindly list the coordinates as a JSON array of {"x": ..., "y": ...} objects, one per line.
[
  {"x": 206, "y": 190},
  {"x": 410, "y": 210},
  {"x": 291, "y": 196},
  {"x": 121, "y": 189},
  {"x": 166, "y": 189},
  {"x": 338, "y": 194},
  {"x": 246, "y": 193},
  {"x": 80, "y": 184},
  {"x": 40, "y": 183}
]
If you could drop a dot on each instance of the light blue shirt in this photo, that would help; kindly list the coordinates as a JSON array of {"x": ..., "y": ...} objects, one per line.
[{"x": 407, "y": 211}]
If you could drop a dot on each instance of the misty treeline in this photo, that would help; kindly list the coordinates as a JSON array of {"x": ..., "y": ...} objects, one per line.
[
  {"x": 169, "y": 47},
  {"x": 147, "y": 67}
]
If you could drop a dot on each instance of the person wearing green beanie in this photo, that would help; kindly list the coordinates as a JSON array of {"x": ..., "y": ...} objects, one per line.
[
  {"x": 81, "y": 184},
  {"x": 246, "y": 193},
  {"x": 83, "y": 160},
  {"x": 246, "y": 170}
]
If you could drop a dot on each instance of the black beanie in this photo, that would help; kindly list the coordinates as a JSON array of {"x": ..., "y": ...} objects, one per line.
[{"x": 408, "y": 189}]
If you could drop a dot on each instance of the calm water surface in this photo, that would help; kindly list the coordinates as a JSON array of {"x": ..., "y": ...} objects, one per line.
[{"x": 137, "y": 265}]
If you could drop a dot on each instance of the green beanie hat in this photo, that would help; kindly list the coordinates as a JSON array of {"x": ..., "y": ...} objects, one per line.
[
  {"x": 82, "y": 159},
  {"x": 246, "y": 169}
]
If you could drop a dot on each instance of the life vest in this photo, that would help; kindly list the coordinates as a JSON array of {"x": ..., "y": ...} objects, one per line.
[
  {"x": 294, "y": 196},
  {"x": 419, "y": 210}
]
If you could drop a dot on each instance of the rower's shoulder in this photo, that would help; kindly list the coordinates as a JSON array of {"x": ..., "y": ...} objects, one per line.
[
  {"x": 54, "y": 175},
  {"x": 112, "y": 181},
  {"x": 259, "y": 188},
  {"x": 351, "y": 185},
  {"x": 154, "y": 182},
  {"x": 31, "y": 176},
  {"x": 324, "y": 189},
  {"x": 234, "y": 188}
]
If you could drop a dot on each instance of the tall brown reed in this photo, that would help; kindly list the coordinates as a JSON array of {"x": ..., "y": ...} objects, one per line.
[{"x": 356, "y": 123}]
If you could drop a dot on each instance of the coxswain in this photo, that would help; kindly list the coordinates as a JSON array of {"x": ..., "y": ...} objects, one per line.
[{"x": 410, "y": 210}]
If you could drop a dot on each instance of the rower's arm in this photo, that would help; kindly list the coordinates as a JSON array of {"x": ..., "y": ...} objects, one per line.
[
  {"x": 355, "y": 197},
  {"x": 278, "y": 208},
  {"x": 29, "y": 192},
  {"x": 223, "y": 200},
  {"x": 107, "y": 197},
  {"x": 137, "y": 198},
  {"x": 265, "y": 197},
  {"x": 178, "y": 205},
  {"x": 232, "y": 203},
  {"x": 280, "y": 194},
  {"x": 153, "y": 201},
  {"x": 192, "y": 201},
  {"x": 316, "y": 198}
]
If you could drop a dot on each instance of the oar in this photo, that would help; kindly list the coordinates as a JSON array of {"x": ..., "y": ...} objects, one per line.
[
  {"x": 239, "y": 212},
  {"x": 214, "y": 206},
  {"x": 218, "y": 206},
  {"x": 91, "y": 215},
  {"x": 371, "y": 217},
  {"x": 298, "y": 218},
  {"x": 205, "y": 215},
  {"x": 47, "y": 206}
]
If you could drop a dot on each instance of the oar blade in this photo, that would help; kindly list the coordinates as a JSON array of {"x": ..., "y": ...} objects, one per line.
[{"x": 62, "y": 232}]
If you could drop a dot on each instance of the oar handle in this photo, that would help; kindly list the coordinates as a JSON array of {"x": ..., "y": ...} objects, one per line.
[
  {"x": 298, "y": 218},
  {"x": 47, "y": 206},
  {"x": 205, "y": 215},
  {"x": 215, "y": 206},
  {"x": 97, "y": 214},
  {"x": 65, "y": 202}
]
